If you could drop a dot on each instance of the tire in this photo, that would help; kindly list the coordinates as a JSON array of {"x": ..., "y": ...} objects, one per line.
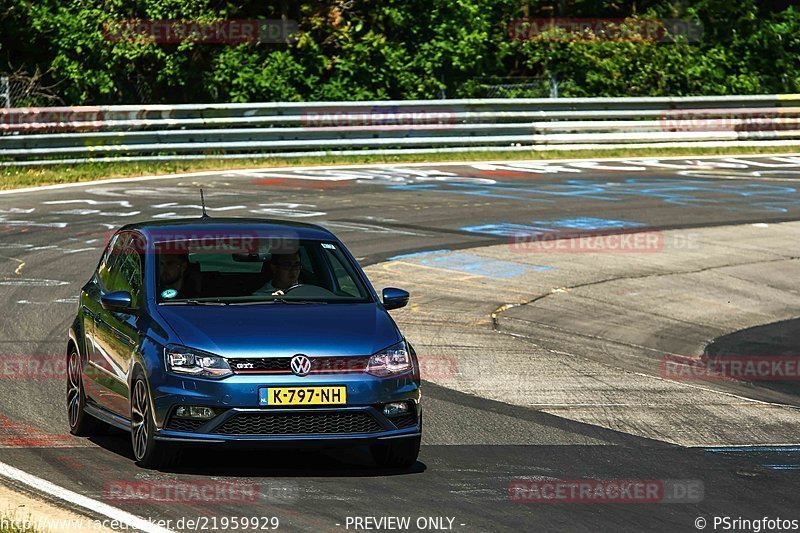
[
  {"x": 81, "y": 424},
  {"x": 148, "y": 452},
  {"x": 401, "y": 453}
]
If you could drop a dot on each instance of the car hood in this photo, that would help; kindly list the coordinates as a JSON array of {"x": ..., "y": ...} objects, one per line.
[{"x": 282, "y": 330}]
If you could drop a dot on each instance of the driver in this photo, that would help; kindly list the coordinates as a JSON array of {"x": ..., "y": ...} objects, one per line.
[
  {"x": 285, "y": 270},
  {"x": 173, "y": 274}
]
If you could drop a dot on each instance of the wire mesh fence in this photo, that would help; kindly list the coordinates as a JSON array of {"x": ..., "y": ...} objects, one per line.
[
  {"x": 23, "y": 90},
  {"x": 513, "y": 87}
]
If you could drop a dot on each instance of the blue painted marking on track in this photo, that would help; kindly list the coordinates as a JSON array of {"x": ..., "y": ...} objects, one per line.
[
  {"x": 685, "y": 192},
  {"x": 482, "y": 266},
  {"x": 589, "y": 223},
  {"x": 417, "y": 254},
  {"x": 765, "y": 455},
  {"x": 470, "y": 264},
  {"x": 544, "y": 227},
  {"x": 783, "y": 467},
  {"x": 750, "y": 449},
  {"x": 508, "y": 230}
]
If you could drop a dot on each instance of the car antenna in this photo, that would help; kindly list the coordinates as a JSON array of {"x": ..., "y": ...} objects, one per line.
[{"x": 203, "y": 204}]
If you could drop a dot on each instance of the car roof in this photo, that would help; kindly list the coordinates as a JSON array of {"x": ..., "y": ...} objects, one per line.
[{"x": 176, "y": 228}]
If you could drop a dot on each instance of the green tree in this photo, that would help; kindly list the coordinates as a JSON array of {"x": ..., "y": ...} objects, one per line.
[{"x": 395, "y": 49}]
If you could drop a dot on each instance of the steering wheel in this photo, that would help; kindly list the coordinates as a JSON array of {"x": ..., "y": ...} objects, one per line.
[{"x": 293, "y": 287}]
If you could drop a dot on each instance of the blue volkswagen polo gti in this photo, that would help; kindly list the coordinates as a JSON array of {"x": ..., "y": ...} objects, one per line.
[{"x": 240, "y": 331}]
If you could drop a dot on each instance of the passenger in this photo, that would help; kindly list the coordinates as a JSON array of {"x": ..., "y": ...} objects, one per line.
[{"x": 285, "y": 270}]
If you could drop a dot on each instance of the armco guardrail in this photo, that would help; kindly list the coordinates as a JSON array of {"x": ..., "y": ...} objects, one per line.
[{"x": 74, "y": 134}]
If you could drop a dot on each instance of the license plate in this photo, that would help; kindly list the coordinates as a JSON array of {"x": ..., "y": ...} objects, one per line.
[{"x": 302, "y": 395}]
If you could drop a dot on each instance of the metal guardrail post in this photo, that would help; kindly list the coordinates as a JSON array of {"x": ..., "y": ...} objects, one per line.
[{"x": 553, "y": 86}]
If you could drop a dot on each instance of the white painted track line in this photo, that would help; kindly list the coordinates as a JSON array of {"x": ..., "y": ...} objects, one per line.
[
  {"x": 246, "y": 171},
  {"x": 79, "y": 500}
]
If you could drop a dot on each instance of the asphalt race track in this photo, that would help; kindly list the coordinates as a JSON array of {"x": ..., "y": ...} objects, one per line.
[{"x": 474, "y": 447}]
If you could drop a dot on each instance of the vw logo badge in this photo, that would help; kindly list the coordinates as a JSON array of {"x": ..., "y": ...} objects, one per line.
[{"x": 301, "y": 365}]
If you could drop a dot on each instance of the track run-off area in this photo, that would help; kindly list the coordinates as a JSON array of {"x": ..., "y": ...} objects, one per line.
[{"x": 560, "y": 309}]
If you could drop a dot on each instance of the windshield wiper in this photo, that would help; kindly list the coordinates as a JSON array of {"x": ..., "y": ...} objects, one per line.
[
  {"x": 219, "y": 302},
  {"x": 279, "y": 301},
  {"x": 195, "y": 302}
]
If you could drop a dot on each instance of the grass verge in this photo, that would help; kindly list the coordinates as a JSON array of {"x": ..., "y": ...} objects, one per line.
[{"x": 17, "y": 177}]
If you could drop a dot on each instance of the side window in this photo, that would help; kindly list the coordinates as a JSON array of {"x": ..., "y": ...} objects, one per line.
[
  {"x": 344, "y": 276},
  {"x": 129, "y": 276},
  {"x": 106, "y": 268},
  {"x": 122, "y": 269}
]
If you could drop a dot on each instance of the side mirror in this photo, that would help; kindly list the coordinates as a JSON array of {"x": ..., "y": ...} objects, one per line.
[
  {"x": 394, "y": 298},
  {"x": 119, "y": 301}
]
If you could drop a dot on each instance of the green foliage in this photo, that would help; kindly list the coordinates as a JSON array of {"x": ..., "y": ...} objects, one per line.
[{"x": 397, "y": 49}]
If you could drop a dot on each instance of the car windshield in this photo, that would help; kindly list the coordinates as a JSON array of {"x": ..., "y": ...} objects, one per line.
[{"x": 246, "y": 271}]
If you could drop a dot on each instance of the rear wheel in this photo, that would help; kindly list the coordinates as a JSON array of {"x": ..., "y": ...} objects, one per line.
[
  {"x": 80, "y": 423},
  {"x": 148, "y": 452},
  {"x": 400, "y": 453}
]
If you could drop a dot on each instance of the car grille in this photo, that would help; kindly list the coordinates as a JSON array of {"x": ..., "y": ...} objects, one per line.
[
  {"x": 282, "y": 365},
  {"x": 404, "y": 421},
  {"x": 299, "y": 423},
  {"x": 184, "y": 424}
]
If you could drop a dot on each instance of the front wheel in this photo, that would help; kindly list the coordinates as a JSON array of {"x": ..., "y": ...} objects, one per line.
[
  {"x": 400, "y": 453},
  {"x": 148, "y": 452}
]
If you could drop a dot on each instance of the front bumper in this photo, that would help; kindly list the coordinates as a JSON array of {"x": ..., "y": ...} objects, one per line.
[{"x": 236, "y": 400}]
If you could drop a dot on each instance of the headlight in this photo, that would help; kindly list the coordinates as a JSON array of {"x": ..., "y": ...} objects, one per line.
[
  {"x": 186, "y": 361},
  {"x": 391, "y": 361}
]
